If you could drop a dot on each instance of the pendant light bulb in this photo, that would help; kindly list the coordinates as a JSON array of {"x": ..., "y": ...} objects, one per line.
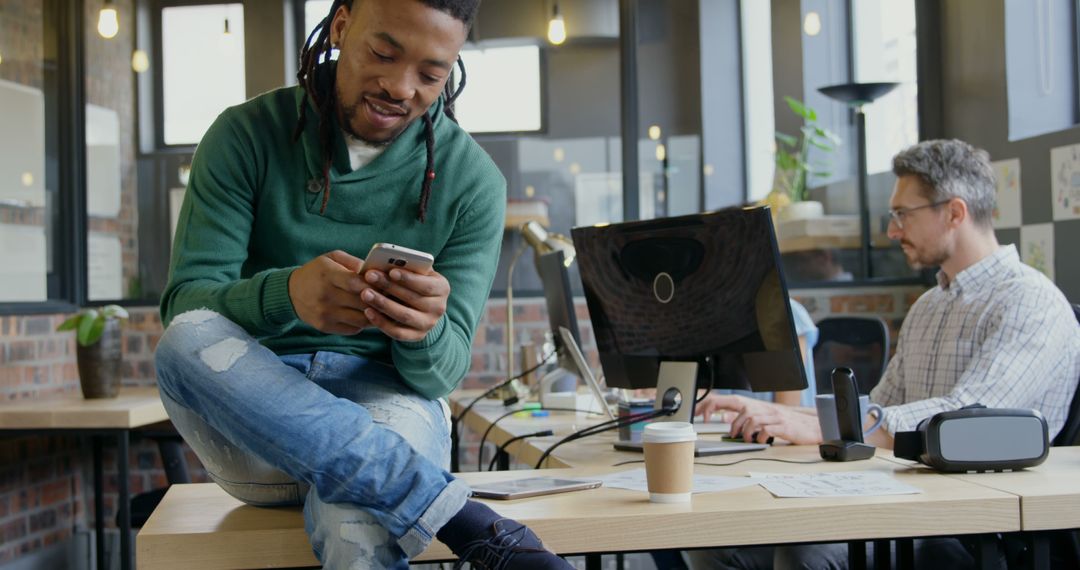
[
  {"x": 108, "y": 22},
  {"x": 140, "y": 62},
  {"x": 556, "y": 27}
]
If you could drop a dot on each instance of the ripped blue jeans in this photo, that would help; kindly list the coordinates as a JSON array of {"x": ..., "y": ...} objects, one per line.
[{"x": 342, "y": 435}]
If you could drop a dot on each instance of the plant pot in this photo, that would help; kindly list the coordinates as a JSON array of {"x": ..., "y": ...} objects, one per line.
[
  {"x": 99, "y": 363},
  {"x": 801, "y": 210}
]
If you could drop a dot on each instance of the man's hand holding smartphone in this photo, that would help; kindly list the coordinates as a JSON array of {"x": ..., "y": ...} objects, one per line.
[
  {"x": 326, "y": 291},
  {"x": 405, "y": 297}
]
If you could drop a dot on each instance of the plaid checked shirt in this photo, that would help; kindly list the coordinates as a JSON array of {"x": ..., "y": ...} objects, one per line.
[{"x": 1000, "y": 334}]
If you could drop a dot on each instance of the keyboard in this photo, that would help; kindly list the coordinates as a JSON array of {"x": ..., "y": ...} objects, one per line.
[{"x": 702, "y": 448}]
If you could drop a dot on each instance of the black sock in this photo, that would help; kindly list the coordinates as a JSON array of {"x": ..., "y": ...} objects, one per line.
[{"x": 472, "y": 522}]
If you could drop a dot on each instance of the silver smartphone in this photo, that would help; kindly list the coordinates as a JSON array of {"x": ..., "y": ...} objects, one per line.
[
  {"x": 531, "y": 487},
  {"x": 386, "y": 256}
]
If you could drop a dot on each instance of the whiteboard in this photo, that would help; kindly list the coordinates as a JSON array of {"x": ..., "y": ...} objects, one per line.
[
  {"x": 102, "y": 162},
  {"x": 105, "y": 267},
  {"x": 22, "y": 148},
  {"x": 22, "y": 256}
]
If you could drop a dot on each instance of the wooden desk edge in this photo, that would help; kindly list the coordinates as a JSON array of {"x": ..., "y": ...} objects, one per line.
[{"x": 134, "y": 407}]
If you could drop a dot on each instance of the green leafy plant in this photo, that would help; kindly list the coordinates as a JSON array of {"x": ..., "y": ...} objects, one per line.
[
  {"x": 792, "y": 153},
  {"x": 89, "y": 323}
]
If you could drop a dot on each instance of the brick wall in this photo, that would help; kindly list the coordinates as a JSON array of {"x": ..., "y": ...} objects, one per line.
[{"x": 46, "y": 482}]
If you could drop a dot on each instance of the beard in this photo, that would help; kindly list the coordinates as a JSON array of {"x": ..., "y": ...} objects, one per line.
[
  {"x": 350, "y": 112},
  {"x": 920, "y": 259}
]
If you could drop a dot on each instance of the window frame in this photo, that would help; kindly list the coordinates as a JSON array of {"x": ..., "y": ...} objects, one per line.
[
  {"x": 929, "y": 105},
  {"x": 66, "y": 285},
  {"x": 157, "y": 6}
]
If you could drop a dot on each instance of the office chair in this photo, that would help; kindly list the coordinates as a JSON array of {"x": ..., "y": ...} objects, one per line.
[{"x": 859, "y": 343}]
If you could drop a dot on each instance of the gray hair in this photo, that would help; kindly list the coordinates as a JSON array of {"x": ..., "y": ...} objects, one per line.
[{"x": 952, "y": 169}]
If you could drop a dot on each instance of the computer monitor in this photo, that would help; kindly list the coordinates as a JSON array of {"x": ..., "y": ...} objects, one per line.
[
  {"x": 559, "y": 299},
  {"x": 705, "y": 288}
]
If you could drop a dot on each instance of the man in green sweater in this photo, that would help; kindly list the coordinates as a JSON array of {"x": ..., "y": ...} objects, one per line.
[{"x": 295, "y": 378}]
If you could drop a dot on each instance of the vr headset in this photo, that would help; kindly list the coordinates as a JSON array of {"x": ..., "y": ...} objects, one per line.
[{"x": 977, "y": 438}]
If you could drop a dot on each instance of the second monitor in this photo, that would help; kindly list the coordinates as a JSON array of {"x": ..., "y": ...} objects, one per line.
[{"x": 705, "y": 288}]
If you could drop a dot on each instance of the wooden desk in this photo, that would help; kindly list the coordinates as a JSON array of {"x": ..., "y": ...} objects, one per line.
[
  {"x": 1049, "y": 496},
  {"x": 133, "y": 407},
  {"x": 200, "y": 526},
  {"x": 99, "y": 419},
  {"x": 620, "y": 519},
  {"x": 1049, "y": 493}
]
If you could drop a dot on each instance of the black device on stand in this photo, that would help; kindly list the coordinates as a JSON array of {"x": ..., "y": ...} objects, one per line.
[{"x": 850, "y": 446}]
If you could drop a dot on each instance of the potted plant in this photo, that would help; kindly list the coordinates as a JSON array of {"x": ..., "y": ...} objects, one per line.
[
  {"x": 98, "y": 350},
  {"x": 793, "y": 167}
]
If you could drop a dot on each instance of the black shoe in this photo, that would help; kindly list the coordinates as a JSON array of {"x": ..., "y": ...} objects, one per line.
[{"x": 511, "y": 546}]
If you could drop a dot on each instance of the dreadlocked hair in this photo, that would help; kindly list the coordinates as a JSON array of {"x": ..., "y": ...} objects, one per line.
[{"x": 316, "y": 52}]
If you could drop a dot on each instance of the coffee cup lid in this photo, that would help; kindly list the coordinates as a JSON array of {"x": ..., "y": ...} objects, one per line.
[{"x": 668, "y": 432}]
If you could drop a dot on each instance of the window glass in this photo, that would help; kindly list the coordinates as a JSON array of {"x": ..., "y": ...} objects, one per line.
[
  {"x": 885, "y": 51},
  {"x": 28, "y": 184},
  {"x": 820, "y": 239},
  {"x": 669, "y": 93},
  {"x": 112, "y": 243},
  {"x": 314, "y": 12},
  {"x": 202, "y": 53},
  {"x": 485, "y": 107},
  {"x": 759, "y": 121}
]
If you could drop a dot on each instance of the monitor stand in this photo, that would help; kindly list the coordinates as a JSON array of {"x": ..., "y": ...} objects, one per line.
[{"x": 676, "y": 385}]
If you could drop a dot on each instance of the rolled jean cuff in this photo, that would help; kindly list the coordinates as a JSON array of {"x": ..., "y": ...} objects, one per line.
[{"x": 442, "y": 509}]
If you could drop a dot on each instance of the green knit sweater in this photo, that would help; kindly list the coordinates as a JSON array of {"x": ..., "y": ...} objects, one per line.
[{"x": 250, "y": 218}]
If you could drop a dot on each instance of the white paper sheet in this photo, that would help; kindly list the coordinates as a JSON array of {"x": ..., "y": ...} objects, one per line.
[
  {"x": 1065, "y": 181},
  {"x": 840, "y": 484},
  {"x": 1007, "y": 205},
  {"x": 1037, "y": 247},
  {"x": 634, "y": 480}
]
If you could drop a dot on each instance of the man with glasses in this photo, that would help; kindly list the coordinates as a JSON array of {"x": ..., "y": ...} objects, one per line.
[{"x": 994, "y": 331}]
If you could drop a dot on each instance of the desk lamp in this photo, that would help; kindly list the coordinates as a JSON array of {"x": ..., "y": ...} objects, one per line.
[
  {"x": 856, "y": 96},
  {"x": 542, "y": 242}
]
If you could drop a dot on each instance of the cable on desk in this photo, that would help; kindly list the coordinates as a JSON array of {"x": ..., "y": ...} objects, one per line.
[
  {"x": 483, "y": 438},
  {"x": 455, "y": 463},
  {"x": 701, "y": 398},
  {"x": 773, "y": 459},
  {"x": 628, "y": 462},
  {"x": 606, "y": 426},
  {"x": 502, "y": 448},
  {"x": 621, "y": 463}
]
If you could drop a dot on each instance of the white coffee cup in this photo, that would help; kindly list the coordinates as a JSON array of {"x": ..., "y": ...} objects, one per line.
[
  {"x": 826, "y": 413},
  {"x": 669, "y": 461}
]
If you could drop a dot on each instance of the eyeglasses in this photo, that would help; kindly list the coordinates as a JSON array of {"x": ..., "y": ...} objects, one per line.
[{"x": 899, "y": 214}]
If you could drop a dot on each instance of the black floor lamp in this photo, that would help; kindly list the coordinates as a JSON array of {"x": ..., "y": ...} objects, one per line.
[{"x": 856, "y": 96}]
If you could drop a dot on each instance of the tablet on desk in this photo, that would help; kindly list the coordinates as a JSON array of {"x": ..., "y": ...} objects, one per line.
[{"x": 530, "y": 487}]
